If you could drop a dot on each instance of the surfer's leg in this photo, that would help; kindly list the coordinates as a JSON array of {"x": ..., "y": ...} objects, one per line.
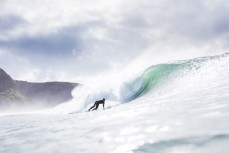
[
  {"x": 97, "y": 105},
  {"x": 91, "y": 107}
]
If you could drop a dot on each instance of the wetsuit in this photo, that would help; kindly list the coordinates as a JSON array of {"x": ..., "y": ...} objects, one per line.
[{"x": 96, "y": 104}]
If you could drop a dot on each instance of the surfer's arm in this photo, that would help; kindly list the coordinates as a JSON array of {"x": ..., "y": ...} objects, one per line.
[{"x": 103, "y": 105}]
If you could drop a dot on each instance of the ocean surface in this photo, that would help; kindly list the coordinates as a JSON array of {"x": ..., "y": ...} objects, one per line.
[{"x": 175, "y": 107}]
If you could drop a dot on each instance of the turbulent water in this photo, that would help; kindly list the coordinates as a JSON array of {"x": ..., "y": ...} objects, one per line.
[{"x": 176, "y": 107}]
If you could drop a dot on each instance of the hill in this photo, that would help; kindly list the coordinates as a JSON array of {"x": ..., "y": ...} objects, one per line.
[{"x": 23, "y": 93}]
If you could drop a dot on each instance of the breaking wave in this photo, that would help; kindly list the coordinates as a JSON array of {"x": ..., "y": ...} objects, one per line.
[{"x": 162, "y": 79}]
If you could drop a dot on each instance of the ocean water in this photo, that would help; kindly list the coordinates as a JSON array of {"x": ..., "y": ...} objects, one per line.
[{"x": 176, "y": 107}]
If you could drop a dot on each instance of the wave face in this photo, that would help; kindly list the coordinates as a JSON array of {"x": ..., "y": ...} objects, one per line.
[{"x": 163, "y": 74}]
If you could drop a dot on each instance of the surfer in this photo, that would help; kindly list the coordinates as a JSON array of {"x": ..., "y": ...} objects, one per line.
[{"x": 96, "y": 104}]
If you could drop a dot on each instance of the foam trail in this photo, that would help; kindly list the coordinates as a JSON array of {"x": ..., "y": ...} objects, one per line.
[
  {"x": 84, "y": 97},
  {"x": 80, "y": 96}
]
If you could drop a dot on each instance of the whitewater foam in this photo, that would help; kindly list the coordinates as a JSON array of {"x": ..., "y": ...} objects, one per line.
[{"x": 185, "y": 110}]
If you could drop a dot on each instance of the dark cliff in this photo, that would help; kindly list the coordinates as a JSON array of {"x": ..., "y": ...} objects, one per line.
[
  {"x": 9, "y": 96},
  {"x": 6, "y": 82}
]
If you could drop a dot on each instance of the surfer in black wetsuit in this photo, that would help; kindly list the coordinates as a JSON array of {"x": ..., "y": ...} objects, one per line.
[{"x": 96, "y": 104}]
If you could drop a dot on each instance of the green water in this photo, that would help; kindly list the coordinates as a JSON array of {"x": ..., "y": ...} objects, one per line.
[{"x": 160, "y": 74}]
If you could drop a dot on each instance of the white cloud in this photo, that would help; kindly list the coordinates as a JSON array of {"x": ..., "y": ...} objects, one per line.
[{"x": 74, "y": 39}]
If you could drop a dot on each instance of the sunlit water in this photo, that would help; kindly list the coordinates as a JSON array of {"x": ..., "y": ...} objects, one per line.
[{"x": 186, "y": 113}]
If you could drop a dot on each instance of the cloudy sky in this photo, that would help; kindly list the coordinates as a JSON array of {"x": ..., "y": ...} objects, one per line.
[{"x": 68, "y": 40}]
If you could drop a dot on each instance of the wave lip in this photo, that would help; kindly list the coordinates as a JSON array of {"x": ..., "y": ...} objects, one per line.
[{"x": 161, "y": 74}]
